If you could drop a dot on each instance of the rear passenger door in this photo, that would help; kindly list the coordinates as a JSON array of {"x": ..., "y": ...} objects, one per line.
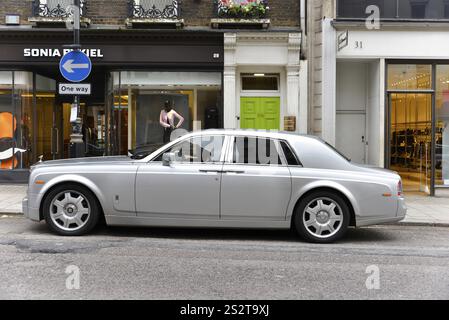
[{"x": 256, "y": 182}]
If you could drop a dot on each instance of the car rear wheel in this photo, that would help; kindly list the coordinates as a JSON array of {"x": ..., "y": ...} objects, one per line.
[
  {"x": 322, "y": 217},
  {"x": 71, "y": 210}
]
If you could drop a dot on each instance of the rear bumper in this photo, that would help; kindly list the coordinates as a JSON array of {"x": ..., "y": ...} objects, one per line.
[
  {"x": 400, "y": 215},
  {"x": 378, "y": 220},
  {"x": 402, "y": 208}
]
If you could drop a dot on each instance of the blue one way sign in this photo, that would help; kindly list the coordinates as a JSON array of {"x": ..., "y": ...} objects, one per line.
[{"x": 75, "y": 66}]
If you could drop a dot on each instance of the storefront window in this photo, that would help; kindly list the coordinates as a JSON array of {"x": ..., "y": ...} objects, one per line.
[
  {"x": 411, "y": 96},
  {"x": 8, "y": 122},
  {"x": 409, "y": 77},
  {"x": 410, "y": 139},
  {"x": 148, "y": 106},
  {"x": 15, "y": 119},
  {"x": 48, "y": 124},
  {"x": 410, "y": 113},
  {"x": 442, "y": 126},
  {"x": 394, "y": 9},
  {"x": 23, "y": 95}
]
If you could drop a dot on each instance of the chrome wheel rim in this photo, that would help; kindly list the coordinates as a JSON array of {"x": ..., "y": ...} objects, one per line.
[
  {"x": 322, "y": 217},
  {"x": 70, "y": 210}
]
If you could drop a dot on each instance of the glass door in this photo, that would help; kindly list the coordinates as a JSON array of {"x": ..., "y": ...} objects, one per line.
[
  {"x": 63, "y": 129},
  {"x": 410, "y": 136},
  {"x": 94, "y": 129},
  {"x": 53, "y": 121},
  {"x": 46, "y": 121}
]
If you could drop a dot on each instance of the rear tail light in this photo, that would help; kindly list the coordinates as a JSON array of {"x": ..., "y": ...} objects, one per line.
[{"x": 399, "y": 188}]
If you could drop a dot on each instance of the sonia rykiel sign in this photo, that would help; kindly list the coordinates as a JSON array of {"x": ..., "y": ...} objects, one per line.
[{"x": 53, "y": 52}]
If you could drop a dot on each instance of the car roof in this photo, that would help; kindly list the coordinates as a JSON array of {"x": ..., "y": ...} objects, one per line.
[{"x": 252, "y": 132}]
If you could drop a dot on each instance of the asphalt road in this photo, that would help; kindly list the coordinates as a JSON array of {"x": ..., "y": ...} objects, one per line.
[{"x": 149, "y": 263}]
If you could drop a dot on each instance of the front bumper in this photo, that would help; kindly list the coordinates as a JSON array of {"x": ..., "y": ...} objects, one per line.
[
  {"x": 29, "y": 211},
  {"x": 25, "y": 206}
]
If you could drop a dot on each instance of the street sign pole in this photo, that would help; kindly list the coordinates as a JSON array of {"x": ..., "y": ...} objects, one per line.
[{"x": 77, "y": 149}]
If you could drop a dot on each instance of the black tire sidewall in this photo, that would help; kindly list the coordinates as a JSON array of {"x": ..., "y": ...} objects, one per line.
[
  {"x": 299, "y": 212},
  {"x": 94, "y": 209}
]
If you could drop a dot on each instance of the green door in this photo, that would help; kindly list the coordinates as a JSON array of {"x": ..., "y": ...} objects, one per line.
[{"x": 260, "y": 113}]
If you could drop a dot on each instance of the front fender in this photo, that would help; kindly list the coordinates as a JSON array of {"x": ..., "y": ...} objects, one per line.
[
  {"x": 65, "y": 178},
  {"x": 296, "y": 195}
]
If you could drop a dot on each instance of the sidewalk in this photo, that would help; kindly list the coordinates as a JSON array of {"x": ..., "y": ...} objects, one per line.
[
  {"x": 421, "y": 209},
  {"x": 11, "y": 196}
]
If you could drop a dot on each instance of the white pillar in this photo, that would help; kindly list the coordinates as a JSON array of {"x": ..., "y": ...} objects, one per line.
[
  {"x": 382, "y": 115},
  {"x": 292, "y": 93},
  {"x": 328, "y": 110},
  {"x": 229, "y": 82},
  {"x": 303, "y": 98},
  {"x": 292, "y": 71}
]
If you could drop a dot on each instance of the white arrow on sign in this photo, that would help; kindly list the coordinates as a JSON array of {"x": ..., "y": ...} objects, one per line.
[{"x": 69, "y": 66}]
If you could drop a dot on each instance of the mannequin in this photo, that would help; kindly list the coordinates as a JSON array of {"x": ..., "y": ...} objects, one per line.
[{"x": 167, "y": 120}]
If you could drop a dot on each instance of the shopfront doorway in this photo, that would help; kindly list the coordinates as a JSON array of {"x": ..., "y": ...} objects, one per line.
[
  {"x": 410, "y": 126},
  {"x": 411, "y": 139},
  {"x": 52, "y": 126}
]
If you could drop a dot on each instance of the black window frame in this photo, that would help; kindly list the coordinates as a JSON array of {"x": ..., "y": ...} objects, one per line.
[
  {"x": 292, "y": 151},
  {"x": 399, "y": 15}
]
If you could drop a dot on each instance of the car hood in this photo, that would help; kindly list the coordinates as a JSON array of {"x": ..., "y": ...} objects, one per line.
[{"x": 80, "y": 161}]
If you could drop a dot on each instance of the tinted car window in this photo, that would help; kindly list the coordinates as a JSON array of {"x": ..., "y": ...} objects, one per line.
[
  {"x": 205, "y": 149},
  {"x": 289, "y": 155},
  {"x": 255, "y": 150}
]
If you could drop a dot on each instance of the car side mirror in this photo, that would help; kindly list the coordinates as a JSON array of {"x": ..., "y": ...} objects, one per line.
[{"x": 168, "y": 158}]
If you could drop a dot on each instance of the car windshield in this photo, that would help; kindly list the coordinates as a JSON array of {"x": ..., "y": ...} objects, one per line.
[
  {"x": 336, "y": 150},
  {"x": 144, "y": 150}
]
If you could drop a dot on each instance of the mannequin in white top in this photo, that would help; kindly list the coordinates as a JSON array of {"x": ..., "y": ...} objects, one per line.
[{"x": 167, "y": 120}]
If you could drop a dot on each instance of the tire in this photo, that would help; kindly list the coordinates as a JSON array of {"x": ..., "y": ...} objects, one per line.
[
  {"x": 328, "y": 224},
  {"x": 69, "y": 215}
]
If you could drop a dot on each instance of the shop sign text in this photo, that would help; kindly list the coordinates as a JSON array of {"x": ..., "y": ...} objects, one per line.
[{"x": 50, "y": 52}]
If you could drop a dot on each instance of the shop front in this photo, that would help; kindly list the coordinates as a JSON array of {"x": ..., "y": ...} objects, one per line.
[
  {"x": 391, "y": 102},
  {"x": 418, "y": 123},
  {"x": 133, "y": 79}
]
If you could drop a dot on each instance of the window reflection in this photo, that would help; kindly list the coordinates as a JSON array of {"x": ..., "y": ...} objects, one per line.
[
  {"x": 15, "y": 119},
  {"x": 442, "y": 126},
  {"x": 409, "y": 77},
  {"x": 140, "y": 100},
  {"x": 200, "y": 149}
]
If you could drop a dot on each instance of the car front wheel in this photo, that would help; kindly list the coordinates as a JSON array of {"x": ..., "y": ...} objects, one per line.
[
  {"x": 322, "y": 217},
  {"x": 71, "y": 210}
]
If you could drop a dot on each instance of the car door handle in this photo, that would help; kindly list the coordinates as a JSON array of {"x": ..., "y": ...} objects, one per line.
[
  {"x": 234, "y": 171},
  {"x": 206, "y": 170}
]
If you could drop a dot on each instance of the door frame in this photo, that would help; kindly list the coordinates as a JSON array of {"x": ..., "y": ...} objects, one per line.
[{"x": 430, "y": 92}]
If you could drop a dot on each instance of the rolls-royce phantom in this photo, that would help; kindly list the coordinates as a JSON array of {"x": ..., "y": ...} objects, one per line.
[{"x": 218, "y": 179}]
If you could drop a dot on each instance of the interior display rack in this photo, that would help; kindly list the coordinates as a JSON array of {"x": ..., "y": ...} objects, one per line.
[{"x": 411, "y": 144}]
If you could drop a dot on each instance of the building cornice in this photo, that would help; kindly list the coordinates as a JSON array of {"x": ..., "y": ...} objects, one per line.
[{"x": 397, "y": 25}]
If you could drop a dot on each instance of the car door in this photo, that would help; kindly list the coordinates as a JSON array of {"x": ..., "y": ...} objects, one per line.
[
  {"x": 256, "y": 182},
  {"x": 189, "y": 187}
]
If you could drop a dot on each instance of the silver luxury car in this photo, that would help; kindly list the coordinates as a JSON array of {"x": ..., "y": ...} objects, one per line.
[{"x": 220, "y": 179}]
